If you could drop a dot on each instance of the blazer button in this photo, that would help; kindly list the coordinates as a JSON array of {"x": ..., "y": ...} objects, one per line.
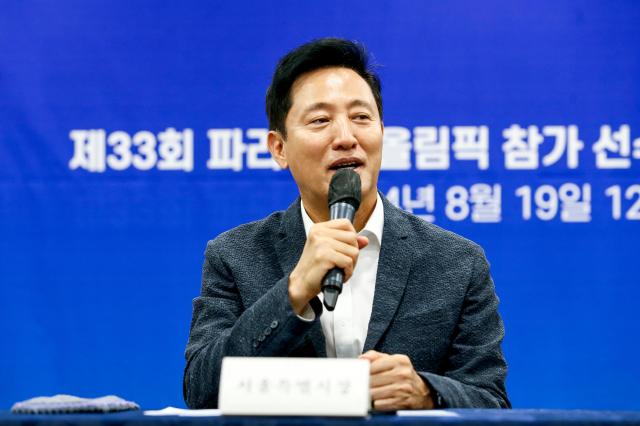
[
  {"x": 255, "y": 344},
  {"x": 274, "y": 324}
]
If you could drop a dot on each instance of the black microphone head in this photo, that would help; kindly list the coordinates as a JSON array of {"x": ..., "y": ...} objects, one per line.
[{"x": 345, "y": 187}]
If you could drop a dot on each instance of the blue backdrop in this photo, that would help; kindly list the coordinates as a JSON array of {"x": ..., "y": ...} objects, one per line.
[{"x": 131, "y": 132}]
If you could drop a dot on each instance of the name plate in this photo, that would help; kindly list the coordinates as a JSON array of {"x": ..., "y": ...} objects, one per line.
[{"x": 294, "y": 387}]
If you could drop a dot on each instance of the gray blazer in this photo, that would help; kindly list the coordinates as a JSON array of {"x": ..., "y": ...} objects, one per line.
[{"x": 434, "y": 302}]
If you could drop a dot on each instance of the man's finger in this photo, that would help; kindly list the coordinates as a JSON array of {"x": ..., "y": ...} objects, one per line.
[
  {"x": 344, "y": 224},
  {"x": 378, "y": 380},
  {"x": 382, "y": 364},
  {"x": 371, "y": 355},
  {"x": 362, "y": 242},
  {"x": 341, "y": 261},
  {"x": 385, "y": 392},
  {"x": 387, "y": 404},
  {"x": 347, "y": 237},
  {"x": 344, "y": 248}
]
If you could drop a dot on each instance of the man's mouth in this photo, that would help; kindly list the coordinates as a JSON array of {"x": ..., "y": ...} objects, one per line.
[{"x": 346, "y": 163}]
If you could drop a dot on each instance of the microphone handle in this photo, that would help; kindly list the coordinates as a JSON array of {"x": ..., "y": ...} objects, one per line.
[
  {"x": 332, "y": 281},
  {"x": 342, "y": 210}
]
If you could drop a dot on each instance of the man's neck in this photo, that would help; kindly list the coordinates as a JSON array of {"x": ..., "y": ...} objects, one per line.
[{"x": 321, "y": 213}]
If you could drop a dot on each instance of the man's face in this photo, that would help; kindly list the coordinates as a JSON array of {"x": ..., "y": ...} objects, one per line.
[{"x": 333, "y": 122}]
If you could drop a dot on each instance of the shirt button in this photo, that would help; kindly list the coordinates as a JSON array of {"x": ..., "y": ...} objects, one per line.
[
  {"x": 267, "y": 331},
  {"x": 274, "y": 324}
]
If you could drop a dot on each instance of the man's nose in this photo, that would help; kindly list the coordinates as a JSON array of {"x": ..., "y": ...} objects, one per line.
[{"x": 344, "y": 136}]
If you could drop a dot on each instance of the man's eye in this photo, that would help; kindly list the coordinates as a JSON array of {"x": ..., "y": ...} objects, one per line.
[
  {"x": 320, "y": 120},
  {"x": 362, "y": 117}
]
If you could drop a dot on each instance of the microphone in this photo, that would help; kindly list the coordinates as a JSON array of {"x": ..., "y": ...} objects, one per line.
[{"x": 344, "y": 200}]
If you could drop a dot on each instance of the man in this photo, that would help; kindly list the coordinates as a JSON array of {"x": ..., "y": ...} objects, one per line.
[{"x": 418, "y": 301}]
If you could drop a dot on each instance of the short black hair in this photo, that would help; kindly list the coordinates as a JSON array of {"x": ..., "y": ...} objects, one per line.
[{"x": 321, "y": 53}]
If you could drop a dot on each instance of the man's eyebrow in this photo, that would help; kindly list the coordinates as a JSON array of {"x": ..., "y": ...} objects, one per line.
[
  {"x": 315, "y": 107},
  {"x": 324, "y": 105},
  {"x": 360, "y": 103}
]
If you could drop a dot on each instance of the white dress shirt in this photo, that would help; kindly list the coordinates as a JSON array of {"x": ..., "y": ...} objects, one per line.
[{"x": 345, "y": 329}]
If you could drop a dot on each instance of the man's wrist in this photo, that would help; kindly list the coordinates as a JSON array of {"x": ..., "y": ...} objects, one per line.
[
  {"x": 427, "y": 392},
  {"x": 437, "y": 401},
  {"x": 298, "y": 301}
]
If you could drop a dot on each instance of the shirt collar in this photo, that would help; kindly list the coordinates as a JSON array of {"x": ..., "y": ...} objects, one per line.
[{"x": 373, "y": 226}]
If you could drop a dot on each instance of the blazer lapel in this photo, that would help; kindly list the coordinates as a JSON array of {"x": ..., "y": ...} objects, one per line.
[
  {"x": 393, "y": 270},
  {"x": 291, "y": 240}
]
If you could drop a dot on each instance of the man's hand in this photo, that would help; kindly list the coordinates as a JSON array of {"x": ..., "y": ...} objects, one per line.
[
  {"x": 329, "y": 244},
  {"x": 395, "y": 385}
]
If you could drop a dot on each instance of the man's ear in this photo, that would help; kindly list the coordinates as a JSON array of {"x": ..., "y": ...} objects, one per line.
[{"x": 277, "y": 148}]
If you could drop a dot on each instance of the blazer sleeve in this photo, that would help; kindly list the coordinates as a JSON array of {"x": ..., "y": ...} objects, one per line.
[
  {"x": 475, "y": 369},
  {"x": 221, "y": 326}
]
